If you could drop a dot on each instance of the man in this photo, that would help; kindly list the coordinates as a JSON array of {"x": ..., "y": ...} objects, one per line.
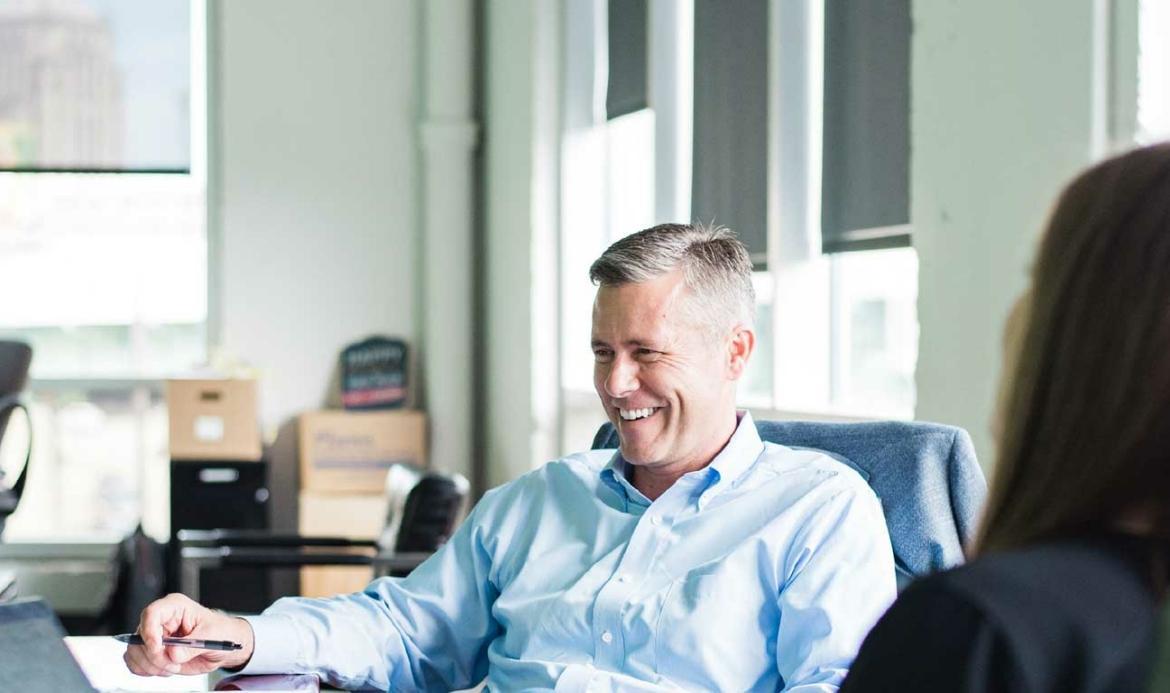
[{"x": 695, "y": 557}]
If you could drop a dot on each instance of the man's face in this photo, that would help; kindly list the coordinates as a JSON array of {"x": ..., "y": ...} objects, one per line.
[{"x": 666, "y": 382}]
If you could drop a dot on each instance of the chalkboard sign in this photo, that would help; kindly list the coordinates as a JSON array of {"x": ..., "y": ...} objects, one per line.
[{"x": 373, "y": 374}]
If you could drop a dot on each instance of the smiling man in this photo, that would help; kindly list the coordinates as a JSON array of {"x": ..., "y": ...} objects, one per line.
[
  {"x": 664, "y": 369},
  {"x": 696, "y": 556}
]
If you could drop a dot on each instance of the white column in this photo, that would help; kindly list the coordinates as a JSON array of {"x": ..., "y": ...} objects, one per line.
[
  {"x": 521, "y": 113},
  {"x": 449, "y": 135},
  {"x": 672, "y": 66}
]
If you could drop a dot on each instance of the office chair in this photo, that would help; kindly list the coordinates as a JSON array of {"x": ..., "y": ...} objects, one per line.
[
  {"x": 139, "y": 577},
  {"x": 927, "y": 478},
  {"x": 15, "y": 359},
  {"x": 430, "y": 514}
]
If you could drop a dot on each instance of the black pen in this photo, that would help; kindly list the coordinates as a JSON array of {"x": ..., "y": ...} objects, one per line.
[{"x": 227, "y": 645}]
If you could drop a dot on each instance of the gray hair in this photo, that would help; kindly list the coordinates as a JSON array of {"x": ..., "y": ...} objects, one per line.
[{"x": 715, "y": 265}]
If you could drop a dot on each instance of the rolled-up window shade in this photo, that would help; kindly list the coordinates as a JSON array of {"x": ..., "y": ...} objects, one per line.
[
  {"x": 730, "y": 176},
  {"x": 865, "y": 190},
  {"x": 628, "y": 67}
]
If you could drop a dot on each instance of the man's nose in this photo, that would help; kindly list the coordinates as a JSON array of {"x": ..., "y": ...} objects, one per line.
[{"x": 622, "y": 378}]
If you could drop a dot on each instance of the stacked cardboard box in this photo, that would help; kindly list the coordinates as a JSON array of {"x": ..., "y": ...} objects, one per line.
[
  {"x": 213, "y": 420},
  {"x": 344, "y": 460}
]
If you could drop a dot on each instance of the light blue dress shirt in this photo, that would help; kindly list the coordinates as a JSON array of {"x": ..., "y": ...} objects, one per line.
[{"x": 762, "y": 571}]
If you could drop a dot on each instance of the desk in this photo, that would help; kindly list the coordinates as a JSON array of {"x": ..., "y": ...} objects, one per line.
[{"x": 100, "y": 658}]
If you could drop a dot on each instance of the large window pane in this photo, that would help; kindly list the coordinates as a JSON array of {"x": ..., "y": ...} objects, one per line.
[
  {"x": 875, "y": 332},
  {"x": 95, "y": 85}
]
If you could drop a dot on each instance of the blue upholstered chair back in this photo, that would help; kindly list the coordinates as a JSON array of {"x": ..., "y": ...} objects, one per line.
[{"x": 930, "y": 485}]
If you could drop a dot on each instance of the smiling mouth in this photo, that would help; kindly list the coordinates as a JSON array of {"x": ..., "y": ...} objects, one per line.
[{"x": 636, "y": 414}]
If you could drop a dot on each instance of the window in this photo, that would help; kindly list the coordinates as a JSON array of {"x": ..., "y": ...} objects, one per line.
[
  {"x": 836, "y": 333},
  {"x": 623, "y": 166},
  {"x": 621, "y": 151},
  {"x": 1153, "y": 107},
  {"x": 103, "y": 247},
  {"x": 874, "y": 332}
]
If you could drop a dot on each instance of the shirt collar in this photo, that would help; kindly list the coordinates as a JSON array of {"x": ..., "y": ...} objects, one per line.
[
  {"x": 740, "y": 452},
  {"x": 734, "y": 459},
  {"x": 616, "y": 475}
]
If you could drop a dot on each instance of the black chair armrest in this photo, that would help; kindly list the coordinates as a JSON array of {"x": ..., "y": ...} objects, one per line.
[{"x": 215, "y": 538}]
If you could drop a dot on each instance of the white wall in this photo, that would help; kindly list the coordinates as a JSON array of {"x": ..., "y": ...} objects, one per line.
[
  {"x": 1009, "y": 100},
  {"x": 314, "y": 116}
]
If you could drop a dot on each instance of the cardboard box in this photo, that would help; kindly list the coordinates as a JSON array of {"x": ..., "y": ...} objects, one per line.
[
  {"x": 350, "y": 515},
  {"x": 356, "y": 516},
  {"x": 350, "y": 452},
  {"x": 213, "y": 420},
  {"x": 332, "y": 580}
]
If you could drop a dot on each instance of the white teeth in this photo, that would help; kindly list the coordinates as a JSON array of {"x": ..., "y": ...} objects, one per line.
[{"x": 633, "y": 414}]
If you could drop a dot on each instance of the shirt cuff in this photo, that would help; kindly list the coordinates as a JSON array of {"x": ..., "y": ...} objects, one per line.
[{"x": 274, "y": 649}]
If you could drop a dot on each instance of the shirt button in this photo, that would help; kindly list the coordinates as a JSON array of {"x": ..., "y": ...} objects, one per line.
[
  {"x": 656, "y": 520},
  {"x": 607, "y": 637},
  {"x": 623, "y": 578}
]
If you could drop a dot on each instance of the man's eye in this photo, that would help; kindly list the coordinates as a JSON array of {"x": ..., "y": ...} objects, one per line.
[
  {"x": 602, "y": 354},
  {"x": 647, "y": 353}
]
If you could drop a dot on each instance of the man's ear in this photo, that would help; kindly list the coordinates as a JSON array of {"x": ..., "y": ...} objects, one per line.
[{"x": 739, "y": 350}]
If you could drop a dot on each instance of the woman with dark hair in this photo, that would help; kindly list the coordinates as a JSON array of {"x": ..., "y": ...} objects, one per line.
[{"x": 1070, "y": 568}]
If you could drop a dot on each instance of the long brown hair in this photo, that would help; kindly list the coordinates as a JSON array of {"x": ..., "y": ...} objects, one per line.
[{"x": 1086, "y": 416}]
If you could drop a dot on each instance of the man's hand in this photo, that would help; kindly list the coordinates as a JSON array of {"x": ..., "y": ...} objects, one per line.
[{"x": 178, "y": 616}]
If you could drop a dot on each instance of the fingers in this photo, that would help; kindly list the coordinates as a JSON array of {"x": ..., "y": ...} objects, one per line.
[
  {"x": 160, "y": 618},
  {"x": 174, "y": 614},
  {"x": 182, "y": 655},
  {"x": 138, "y": 662},
  {"x": 200, "y": 662}
]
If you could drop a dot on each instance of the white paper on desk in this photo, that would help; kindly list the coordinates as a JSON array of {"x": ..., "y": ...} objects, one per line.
[{"x": 100, "y": 658}]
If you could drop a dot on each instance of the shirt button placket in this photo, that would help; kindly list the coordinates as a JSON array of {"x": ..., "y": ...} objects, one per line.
[{"x": 607, "y": 621}]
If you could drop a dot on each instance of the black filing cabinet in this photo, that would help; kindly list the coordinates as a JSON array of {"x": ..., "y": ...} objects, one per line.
[{"x": 215, "y": 494}]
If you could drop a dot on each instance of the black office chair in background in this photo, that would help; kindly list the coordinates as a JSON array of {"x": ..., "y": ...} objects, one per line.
[{"x": 15, "y": 359}]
